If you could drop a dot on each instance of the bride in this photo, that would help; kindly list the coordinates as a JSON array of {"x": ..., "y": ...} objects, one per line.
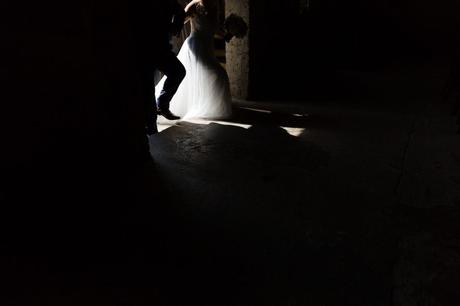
[{"x": 205, "y": 90}]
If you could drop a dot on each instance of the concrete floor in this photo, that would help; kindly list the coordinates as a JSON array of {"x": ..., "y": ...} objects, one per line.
[{"x": 320, "y": 203}]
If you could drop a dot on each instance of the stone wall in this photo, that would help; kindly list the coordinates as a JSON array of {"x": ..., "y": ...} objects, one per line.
[{"x": 237, "y": 52}]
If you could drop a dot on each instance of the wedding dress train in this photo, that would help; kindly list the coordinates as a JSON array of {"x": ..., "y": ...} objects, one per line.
[{"x": 205, "y": 90}]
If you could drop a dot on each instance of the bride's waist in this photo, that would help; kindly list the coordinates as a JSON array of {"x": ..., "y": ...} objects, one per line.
[{"x": 204, "y": 34}]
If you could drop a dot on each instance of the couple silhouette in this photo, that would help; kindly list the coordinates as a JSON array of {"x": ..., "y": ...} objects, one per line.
[
  {"x": 194, "y": 85},
  {"x": 153, "y": 27}
]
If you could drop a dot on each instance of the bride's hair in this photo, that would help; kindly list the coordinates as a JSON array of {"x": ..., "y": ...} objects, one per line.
[{"x": 201, "y": 8}]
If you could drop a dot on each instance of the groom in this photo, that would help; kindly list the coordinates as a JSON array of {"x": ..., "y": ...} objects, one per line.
[{"x": 173, "y": 18}]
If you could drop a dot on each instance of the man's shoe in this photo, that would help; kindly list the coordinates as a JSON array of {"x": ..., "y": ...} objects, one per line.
[{"x": 167, "y": 114}]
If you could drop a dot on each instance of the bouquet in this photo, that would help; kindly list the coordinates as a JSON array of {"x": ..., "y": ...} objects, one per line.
[{"x": 234, "y": 26}]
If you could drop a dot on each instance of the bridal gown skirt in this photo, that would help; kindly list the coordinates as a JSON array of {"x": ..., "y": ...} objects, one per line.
[{"x": 205, "y": 90}]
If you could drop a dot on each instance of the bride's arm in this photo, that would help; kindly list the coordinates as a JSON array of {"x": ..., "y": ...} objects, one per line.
[{"x": 190, "y": 10}]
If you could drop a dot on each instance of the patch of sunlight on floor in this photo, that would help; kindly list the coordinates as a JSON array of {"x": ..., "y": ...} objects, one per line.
[
  {"x": 164, "y": 124},
  {"x": 257, "y": 110},
  {"x": 293, "y": 131}
]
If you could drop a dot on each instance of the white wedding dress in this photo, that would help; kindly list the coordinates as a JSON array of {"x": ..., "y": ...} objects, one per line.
[{"x": 205, "y": 91}]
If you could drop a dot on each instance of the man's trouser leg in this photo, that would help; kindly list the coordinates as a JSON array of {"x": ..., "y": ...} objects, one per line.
[
  {"x": 148, "y": 96},
  {"x": 174, "y": 71}
]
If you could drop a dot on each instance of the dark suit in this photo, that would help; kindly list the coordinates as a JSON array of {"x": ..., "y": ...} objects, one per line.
[
  {"x": 147, "y": 31},
  {"x": 168, "y": 64}
]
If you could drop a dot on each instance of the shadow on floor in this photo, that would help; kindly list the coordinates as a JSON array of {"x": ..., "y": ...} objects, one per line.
[
  {"x": 263, "y": 224},
  {"x": 269, "y": 116},
  {"x": 224, "y": 215}
]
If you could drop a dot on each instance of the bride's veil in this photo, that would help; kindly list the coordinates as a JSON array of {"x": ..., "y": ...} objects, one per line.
[{"x": 178, "y": 41}]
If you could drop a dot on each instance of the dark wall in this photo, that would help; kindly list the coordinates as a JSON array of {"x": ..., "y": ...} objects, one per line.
[
  {"x": 69, "y": 82},
  {"x": 71, "y": 139},
  {"x": 338, "y": 35}
]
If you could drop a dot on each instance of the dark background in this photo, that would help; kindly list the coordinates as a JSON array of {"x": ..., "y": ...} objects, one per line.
[
  {"x": 309, "y": 47},
  {"x": 71, "y": 121},
  {"x": 69, "y": 67}
]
